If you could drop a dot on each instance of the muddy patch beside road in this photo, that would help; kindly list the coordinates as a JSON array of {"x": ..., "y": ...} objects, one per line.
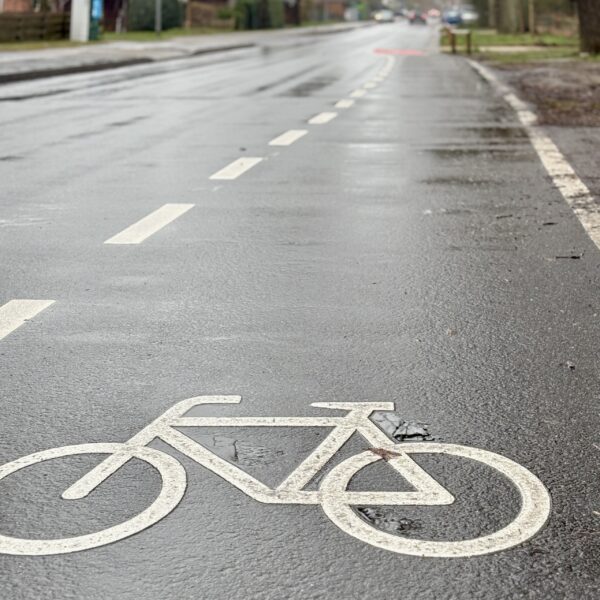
[{"x": 564, "y": 93}]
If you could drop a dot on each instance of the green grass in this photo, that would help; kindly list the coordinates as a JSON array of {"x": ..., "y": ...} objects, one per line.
[
  {"x": 150, "y": 36},
  {"x": 543, "y": 46},
  {"x": 489, "y": 37},
  {"x": 34, "y": 45},
  {"x": 533, "y": 56},
  {"x": 133, "y": 36}
]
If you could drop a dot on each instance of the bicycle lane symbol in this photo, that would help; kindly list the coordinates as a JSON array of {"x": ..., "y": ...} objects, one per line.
[{"x": 333, "y": 496}]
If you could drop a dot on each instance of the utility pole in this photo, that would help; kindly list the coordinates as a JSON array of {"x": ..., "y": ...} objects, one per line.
[{"x": 158, "y": 17}]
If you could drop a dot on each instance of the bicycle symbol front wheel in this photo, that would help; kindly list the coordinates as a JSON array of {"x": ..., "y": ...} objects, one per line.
[
  {"x": 534, "y": 512},
  {"x": 172, "y": 490}
]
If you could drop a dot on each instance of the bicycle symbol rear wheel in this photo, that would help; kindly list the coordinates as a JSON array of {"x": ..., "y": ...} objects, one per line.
[
  {"x": 534, "y": 512},
  {"x": 172, "y": 490}
]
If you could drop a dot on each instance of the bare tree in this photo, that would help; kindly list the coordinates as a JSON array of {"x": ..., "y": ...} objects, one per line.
[
  {"x": 509, "y": 17},
  {"x": 589, "y": 25}
]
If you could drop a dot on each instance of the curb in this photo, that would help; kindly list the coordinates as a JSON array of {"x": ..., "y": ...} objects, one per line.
[
  {"x": 116, "y": 64},
  {"x": 105, "y": 65},
  {"x": 99, "y": 66}
]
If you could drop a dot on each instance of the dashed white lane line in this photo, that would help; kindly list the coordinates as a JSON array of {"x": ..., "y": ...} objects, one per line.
[
  {"x": 574, "y": 191},
  {"x": 288, "y": 138},
  {"x": 16, "y": 312},
  {"x": 370, "y": 85},
  {"x": 150, "y": 224},
  {"x": 358, "y": 93},
  {"x": 322, "y": 118},
  {"x": 344, "y": 103},
  {"x": 236, "y": 168}
]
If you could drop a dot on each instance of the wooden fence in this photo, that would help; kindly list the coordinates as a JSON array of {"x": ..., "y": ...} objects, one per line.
[{"x": 17, "y": 27}]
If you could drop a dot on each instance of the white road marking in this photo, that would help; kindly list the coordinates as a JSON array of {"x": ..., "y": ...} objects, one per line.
[
  {"x": 334, "y": 497},
  {"x": 358, "y": 93},
  {"x": 574, "y": 191},
  {"x": 236, "y": 168},
  {"x": 534, "y": 512},
  {"x": 322, "y": 118},
  {"x": 288, "y": 138},
  {"x": 173, "y": 484},
  {"x": 16, "y": 312},
  {"x": 345, "y": 103},
  {"x": 144, "y": 228},
  {"x": 370, "y": 85}
]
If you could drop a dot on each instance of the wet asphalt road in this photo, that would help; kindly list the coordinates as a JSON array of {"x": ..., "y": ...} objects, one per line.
[{"x": 401, "y": 252}]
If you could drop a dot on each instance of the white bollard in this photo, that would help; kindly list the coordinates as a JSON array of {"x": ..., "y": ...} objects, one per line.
[{"x": 80, "y": 21}]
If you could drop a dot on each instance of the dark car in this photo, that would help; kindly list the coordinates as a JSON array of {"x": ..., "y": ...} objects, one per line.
[
  {"x": 417, "y": 18},
  {"x": 452, "y": 17}
]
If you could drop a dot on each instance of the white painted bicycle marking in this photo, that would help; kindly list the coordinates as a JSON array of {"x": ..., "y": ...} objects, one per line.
[{"x": 333, "y": 495}]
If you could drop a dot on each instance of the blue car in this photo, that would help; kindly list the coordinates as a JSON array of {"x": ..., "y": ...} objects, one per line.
[{"x": 452, "y": 17}]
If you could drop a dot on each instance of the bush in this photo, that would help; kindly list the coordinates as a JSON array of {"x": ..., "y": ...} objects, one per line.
[
  {"x": 224, "y": 13},
  {"x": 259, "y": 14},
  {"x": 140, "y": 14}
]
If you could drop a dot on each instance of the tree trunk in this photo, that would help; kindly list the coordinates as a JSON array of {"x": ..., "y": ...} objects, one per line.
[
  {"x": 589, "y": 25},
  {"x": 508, "y": 16},
  {"x": 531, "y": 17},
  {"x": 491, "y": 14}
]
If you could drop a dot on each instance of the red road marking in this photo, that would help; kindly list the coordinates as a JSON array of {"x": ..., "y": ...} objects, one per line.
[{"x": 399, "y": 51}]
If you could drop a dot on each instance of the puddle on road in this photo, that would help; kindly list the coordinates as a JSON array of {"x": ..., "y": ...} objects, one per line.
[
  {"x": 506, "y": 134},
  {"x": 457, "y": 153},
  {"x": 309, "y": 87},
  {"x": 282, "y": 80},
  {"x": 128, "y": 121},
  {"x": 457, "y": 180}
]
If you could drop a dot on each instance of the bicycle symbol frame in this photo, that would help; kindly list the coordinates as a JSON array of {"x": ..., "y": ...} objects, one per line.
[{"x": 333, "y": 496}]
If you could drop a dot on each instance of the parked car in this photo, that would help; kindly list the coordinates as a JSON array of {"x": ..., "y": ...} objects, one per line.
[
  {"x": 452, "y": 17},
  {"x": 384, "y": 16},
  {"x": 462, "y": 15},
  {"x": 468, "y": 15},
  {"x": 434, "y": 16},
  {"x": 417, "y": 18}
]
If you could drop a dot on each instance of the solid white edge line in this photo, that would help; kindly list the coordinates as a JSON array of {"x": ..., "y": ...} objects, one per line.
[
  {"x": 288, "y": 138},
  {"x": 322, "y": 118},
  {"x": 149, "y": 225},
  {"x": 234, "y": 169},
  {"x": 16, "y": 312},
  {"x": 576, "y": 194}
]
